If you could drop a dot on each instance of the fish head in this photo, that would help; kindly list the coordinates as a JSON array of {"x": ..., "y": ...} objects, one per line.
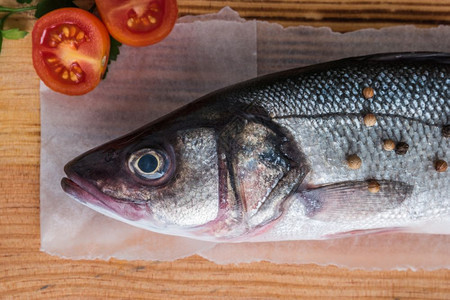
[
  {"x": 165, "y": 181},
  {"x": 208, "y": 171}
]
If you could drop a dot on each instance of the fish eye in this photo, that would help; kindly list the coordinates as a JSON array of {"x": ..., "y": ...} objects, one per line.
[{"x": 148, "y": 163}]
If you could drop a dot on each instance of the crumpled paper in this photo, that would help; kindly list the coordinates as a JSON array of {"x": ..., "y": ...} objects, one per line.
[{"x": 202, "y": 54}]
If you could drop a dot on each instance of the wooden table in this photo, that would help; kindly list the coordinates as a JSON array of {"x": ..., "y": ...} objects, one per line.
[{"x": 25, "y": 272}]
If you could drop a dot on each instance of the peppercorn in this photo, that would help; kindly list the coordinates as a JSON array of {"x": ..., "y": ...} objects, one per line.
[
  {"x": 370, "y": 120},
  {"x": 446, "y": 131},
  {"x": 388, "y": 145},
  {"x": 354, "y": 162},
  {"x": 368, "y": 92},
  {"x": 373, "y": 186},
  {"x": 401, "y": 148},
  {"x": 440, "y": 165}
]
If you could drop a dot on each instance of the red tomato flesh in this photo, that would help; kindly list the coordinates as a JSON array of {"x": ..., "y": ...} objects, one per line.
[
  {"x": 70, "y": 50},
  {"x": 138, "y": 22}
]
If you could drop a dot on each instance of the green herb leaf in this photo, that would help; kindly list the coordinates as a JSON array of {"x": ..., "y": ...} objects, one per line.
[
  {"x": 16, "y": 9},
  {"x": 24, "y": 1},
  {"x": 2, "y": 21},
  {"x": 13, "y": 34},
  {"x": 114, "y": 51},
  {"x": 92, "y": 9},
  {"x": 46, "y": 6}
]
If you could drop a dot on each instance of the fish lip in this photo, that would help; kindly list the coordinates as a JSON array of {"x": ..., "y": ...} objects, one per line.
[
  {"x": 74, "y": 190},
  {"x": 82, "y": 195},
  {"x": 80, "y": 189},
  {"x": 87, "y": 194}
]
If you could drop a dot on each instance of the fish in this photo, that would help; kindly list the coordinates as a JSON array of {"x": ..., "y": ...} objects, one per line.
[{"x": 349, "y": 147}]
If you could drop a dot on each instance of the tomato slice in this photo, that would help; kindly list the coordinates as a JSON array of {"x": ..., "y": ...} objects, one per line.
[
  {"x": 138, "y": 22},
  {"x": 70, "y": 50}
]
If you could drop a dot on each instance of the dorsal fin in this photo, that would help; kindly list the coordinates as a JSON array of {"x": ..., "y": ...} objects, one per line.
[{"x": 437, "y": 57}]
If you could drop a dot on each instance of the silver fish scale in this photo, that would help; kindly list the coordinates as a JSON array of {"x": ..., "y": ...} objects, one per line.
[
  {"x": 201, "y": 173},
  {"x": 418, "y": 92},
  {"x": 323, "y": 111},
  {"x": 327, "y": 141}
]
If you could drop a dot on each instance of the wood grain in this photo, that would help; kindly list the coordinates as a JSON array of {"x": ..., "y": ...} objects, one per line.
[
  {"x": 342, "y": 16},
  {"x": 26, "y": 273}
]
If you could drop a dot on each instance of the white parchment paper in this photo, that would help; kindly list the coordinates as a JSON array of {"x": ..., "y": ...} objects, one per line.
[{"x": 202, "y": 54}]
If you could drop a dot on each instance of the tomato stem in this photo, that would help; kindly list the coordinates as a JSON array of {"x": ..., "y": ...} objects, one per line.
[
  {"x": 3, "y": 19},
  {"x": 2, "y": 22},
  {"x": 18, "y": 9}
]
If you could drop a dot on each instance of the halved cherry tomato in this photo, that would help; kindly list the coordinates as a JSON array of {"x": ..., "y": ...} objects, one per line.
[
  {"x": 70, "y": 50},
  {"x": 138, "y": 22}
]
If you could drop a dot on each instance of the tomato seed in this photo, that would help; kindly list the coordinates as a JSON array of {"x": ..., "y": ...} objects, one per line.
[
  {"x": 65, "y": 31},
  {"x": 73, "y": 30},
  {"x": 154, "y": 7},
  {"x": 73, "y": 76},
  {"x": 77, "y": 69},
  {"x": 80, "y": 36},
  {"x": 56, "y": 37},
  {"x": 145, "y": 21}
]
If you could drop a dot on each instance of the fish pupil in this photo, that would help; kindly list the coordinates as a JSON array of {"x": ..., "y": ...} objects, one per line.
[{"x": 148, "y": 163}]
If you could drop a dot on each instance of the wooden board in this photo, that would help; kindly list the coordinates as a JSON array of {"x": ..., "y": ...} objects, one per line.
[{"x": 27, "y": 273}]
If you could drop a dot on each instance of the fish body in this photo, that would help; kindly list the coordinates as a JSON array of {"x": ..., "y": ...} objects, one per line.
[{"x": 268, "y": 159}]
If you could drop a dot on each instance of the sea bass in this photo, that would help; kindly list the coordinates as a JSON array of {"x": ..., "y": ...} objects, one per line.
[{"x": 355, "y": 146}]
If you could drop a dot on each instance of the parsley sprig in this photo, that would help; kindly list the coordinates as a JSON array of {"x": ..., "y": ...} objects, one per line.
[
  {"x": 46, "y": 6},
  {"x": 114, "y": 51},
  {"x": 13, "y": 33}
]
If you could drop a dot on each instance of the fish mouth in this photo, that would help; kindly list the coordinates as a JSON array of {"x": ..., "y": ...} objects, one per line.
[
  {"x": 75, "y": 191},
  {"x": 90, "y": 196}
]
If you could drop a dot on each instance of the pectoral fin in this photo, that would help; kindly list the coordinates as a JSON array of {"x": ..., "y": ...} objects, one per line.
[{"x": 352, "y": 200}]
